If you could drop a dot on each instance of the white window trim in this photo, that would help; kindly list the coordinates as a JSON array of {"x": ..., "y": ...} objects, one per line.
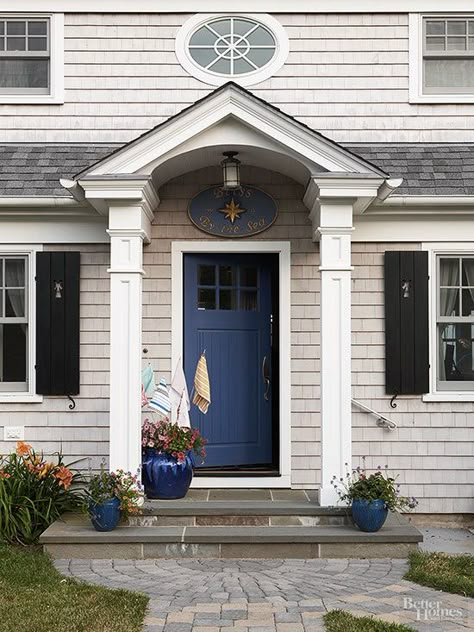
[
  {"x": 186, "y": 61},
  {"x": 434, "y": 250},
  {"x": 415, "y": 46},
  {"x": 29, "y": 396},
  {"x": 56, "y": 44}
]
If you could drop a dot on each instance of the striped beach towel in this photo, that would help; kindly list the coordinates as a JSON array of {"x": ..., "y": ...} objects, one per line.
[
  {"x": 202, "y": 389},
  {"x": 160, "y": 402}
]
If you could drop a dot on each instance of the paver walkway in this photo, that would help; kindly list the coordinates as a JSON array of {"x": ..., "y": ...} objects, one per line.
[{"x": 274, "y": 595}]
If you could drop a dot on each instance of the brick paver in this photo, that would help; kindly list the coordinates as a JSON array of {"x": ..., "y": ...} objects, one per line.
[{"x": 215, "y": 595}]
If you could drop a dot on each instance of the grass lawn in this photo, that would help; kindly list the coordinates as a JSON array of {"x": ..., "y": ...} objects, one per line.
[
  {"x": 340, "y": 621},
  {"x": 34, "y": 597},
  {"x": 451, "y": 573}
]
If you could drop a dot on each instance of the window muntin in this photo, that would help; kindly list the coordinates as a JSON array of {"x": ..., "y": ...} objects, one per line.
[
  {"x": 448, "y": 55},
  {"x": 232, "y": 46},
  {"x": 455, "y": 322},
  {"x": 14, "y": 335},
  {"x": 25, "y": 57},
  {"x": 227, "y": 287}
]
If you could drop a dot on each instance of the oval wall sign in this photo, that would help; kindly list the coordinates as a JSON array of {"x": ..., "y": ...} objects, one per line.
[{"x": 240, "y": 213}]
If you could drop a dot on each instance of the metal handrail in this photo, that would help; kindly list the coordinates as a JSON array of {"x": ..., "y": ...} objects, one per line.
[{"x": 382, "y": 421}]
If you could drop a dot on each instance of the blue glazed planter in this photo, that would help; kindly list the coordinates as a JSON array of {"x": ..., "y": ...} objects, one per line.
[
  {"x": 164, "y": 477},
  {"x": 369, "y": 515},
  {"x": 105, "y": 516}
]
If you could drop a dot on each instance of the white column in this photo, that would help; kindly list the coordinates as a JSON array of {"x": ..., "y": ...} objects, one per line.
[
  {"x": 125, "y": 348},
  {"x": 335, "y": 252},
  {"x": 129, "y": 204}
]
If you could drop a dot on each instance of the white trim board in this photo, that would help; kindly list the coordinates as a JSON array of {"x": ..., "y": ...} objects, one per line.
[
  {"x": 282, "y": 248},
  {"x": 251, "y": 6}
]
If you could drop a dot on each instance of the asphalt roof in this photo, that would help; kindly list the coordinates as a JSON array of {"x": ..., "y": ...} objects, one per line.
[{"x": 33, "y": 169}]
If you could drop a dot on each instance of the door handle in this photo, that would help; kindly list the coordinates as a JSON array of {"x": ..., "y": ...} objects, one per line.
[{"x": 266, "y": 378}]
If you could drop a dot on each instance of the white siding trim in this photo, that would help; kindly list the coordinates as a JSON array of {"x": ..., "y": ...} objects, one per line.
[
  {"x": 56, "y": 64},
  {"x": 29, "y": 396},
  {"x": 218, "y": 6},
  {"x": 415, "y": 39},
  {"x": 435, "y": 249},
  {"x": 178, "y": 249}
]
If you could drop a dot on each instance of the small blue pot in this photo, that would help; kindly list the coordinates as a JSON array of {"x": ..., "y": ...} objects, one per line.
[
  {"x": 105, "y": 516},
  {"x": 164, "y": 477},
  {"x": 369, "y": 515}
]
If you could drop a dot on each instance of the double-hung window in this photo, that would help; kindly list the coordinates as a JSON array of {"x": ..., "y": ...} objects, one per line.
[
  {"x": 442, "y": 58},
  {"x": 14, "y": 335},
  {"x": 455, "y": 322},
  {"x": 31, "y": 58}
]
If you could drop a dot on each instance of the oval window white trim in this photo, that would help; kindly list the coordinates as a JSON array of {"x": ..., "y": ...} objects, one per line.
[{"x": 193, "y": 68}]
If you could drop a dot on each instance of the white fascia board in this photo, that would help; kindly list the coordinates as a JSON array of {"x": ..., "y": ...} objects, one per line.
[
  {"x": 252, "y": 6},
  {"x": 231, "y": 102},
  {"x": 410, "y": 229}
]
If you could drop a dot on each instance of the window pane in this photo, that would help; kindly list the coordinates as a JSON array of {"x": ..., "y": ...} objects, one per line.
[
  {"x": 248, "y": 300},
  {"x": 13, "y": 358},
  {"x": 15, "y": 303},
  {"x": 16, "y": 28},
  {"x": 435, "y": 27},
  {"x": 471, "y": 43},
  {"x": 16, "y": 43},
  {"x": 37, "y": 28},
  {"x": 248, "y": 277},
  {"x": 203, "y": 56},
  {"x": 37, "y": 43},
  {"x": 449, "y": 302},
  {"x": 261, "y": 56},
  {"x": 221, "y": 26},
  {"x": 468, "y": 302},
  {"x": 24, "y": 73},
  {"x": 449, "y": 74},
  {"x": 203, "y": 37},
  {"x": 449, "y": 272},
  {"x": 206, "y": 275},
  {"x": 2, "y": 28},
  {"x": 242, "y": 27},
  {"x": 456, "y": 352},
  {"x": 206, "y": 299},
  {"x": 261, "y": 37},
  {"x": 435, "y": 43},
  {"x": 456, "y": 43},
  {"x": 457, "y": 28},
  {"x": 242, "y": 66},
  {"x": 222, "y": 66},
  {"x": 228, "y": 299},
  {"x": 14, "y": 273},
  {"x": 471, "y": 27},
  {"x": 468, "y": 272},
  {"x": 227, "y": 275}
]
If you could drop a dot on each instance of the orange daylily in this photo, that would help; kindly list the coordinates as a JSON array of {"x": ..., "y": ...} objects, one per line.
[
  {"x": 23, "y": 449},
  {"x": 45, "y": 470},
  {"x": 64, "y": 476}
]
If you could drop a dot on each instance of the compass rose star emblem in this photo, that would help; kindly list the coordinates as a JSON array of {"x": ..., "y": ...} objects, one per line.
[{"x": 232, "y": 211}]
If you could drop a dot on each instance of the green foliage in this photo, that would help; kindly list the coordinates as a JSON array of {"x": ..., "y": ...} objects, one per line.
[
  {"x": 451, "y": 573},
  {"x": 33, "y": 494},
  {"x": 360, "y": 485},
  {"x": 340, "y": 621},
  {"x": 34, "y": 597},
  {"x": 119, "y": 484},
  {"x": 170, "y": 438}
]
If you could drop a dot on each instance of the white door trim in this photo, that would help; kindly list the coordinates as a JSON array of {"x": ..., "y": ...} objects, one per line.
[{"x": 282, "y": 248}]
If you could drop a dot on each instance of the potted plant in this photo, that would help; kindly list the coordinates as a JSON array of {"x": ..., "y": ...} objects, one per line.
[
  {"x": 167, "y": 467},
  {"x": 371, "y": 496},
  {"x": 112, "y": 496}
]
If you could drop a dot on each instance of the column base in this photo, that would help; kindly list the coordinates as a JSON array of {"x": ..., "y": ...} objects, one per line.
[{"x": 328, "y": 497}]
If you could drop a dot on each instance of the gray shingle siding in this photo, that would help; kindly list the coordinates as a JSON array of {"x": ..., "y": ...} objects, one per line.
[{"x": 427, "y": 169}]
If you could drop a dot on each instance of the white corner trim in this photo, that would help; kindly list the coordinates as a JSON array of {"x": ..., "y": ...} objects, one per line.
[
  {"x": 415, "y": 62},
  {"x": 282, "y": 248},
  {"x": 56, "y": 65},
  {"x": 190, "y": 27},
  {"x": 30, "y": 251}
]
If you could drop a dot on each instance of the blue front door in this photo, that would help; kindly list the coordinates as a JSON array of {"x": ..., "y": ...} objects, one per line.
[{"x": 228, "y": 314}]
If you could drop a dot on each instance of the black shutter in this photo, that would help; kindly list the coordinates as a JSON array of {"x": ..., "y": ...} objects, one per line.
[
  {"x": 406, "y": 322},
  {"x": 57, "y": 323}
]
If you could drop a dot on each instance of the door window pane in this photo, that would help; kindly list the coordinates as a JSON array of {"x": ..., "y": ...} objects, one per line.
[
  {"x": 228, "y": 299},
  {"x": 248, "y": 300},
  {"x": 206, "y": 275},
  {"x": 248, "y": 277},
  {"x": 227, "y": 275},
  {"x": 206, "y": 298}
]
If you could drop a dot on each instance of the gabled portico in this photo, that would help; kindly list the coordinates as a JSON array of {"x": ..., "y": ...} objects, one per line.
[{"x": 126, "y": 185}]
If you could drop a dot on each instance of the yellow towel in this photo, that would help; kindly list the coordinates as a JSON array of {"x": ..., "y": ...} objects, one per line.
[{"x": 202, "y": 390}]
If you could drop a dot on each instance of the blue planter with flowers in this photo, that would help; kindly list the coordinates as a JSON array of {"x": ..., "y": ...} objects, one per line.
[{"x": 369, "y": 515}]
